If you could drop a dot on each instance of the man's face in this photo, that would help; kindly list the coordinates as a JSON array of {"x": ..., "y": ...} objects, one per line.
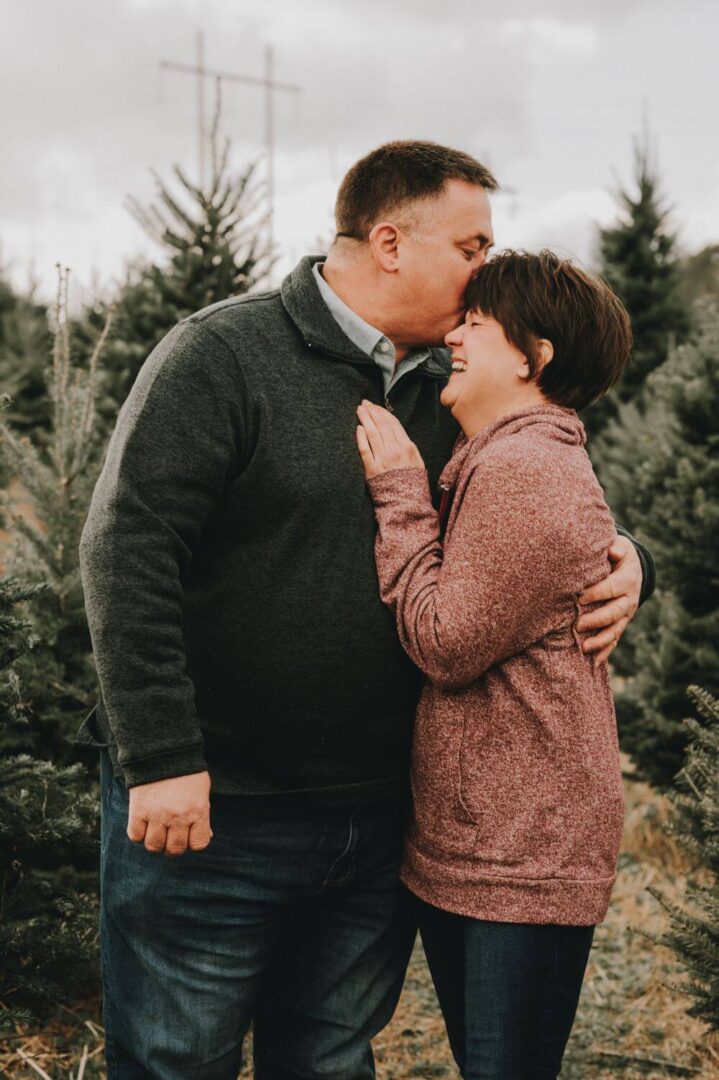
[{"x": 440, "y": 255}]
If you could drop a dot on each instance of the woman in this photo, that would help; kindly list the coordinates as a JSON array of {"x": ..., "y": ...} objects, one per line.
[{"x": 517, "y": 792}]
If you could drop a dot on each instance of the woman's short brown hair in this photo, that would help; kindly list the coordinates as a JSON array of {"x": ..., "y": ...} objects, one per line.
[{"x": 543, "y": 296}]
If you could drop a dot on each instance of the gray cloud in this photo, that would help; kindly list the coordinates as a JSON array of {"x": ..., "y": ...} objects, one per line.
[{"x": 548, "y": 94}]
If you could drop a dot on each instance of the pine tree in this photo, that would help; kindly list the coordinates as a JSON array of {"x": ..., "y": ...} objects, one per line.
[
  {"x": 214, "y": 247},
  {"x": 25, "y": 341},
  {"x": 694, "y": 931},
  {"x": 48, "y": 846},
  {"x": 638, "y": 257},
  {"x": 56, "y": 481},
  {"x": 700, "y": 274},
  {"x": 669, "y": 472}
]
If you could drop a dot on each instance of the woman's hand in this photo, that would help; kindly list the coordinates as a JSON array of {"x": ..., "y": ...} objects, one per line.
[{"x": 383, "y": 443}]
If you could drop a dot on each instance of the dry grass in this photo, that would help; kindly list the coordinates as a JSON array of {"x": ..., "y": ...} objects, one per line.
[{"x": 632, "y": 1021}]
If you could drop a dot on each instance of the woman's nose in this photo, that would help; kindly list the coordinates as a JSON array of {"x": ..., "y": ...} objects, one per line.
[{"x": 454, "y": 337}]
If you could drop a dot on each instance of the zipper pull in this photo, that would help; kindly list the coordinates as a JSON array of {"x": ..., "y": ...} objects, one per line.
[{"x": 388, "y": 405}]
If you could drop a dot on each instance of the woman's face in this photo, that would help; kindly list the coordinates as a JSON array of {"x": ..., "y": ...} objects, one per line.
[{"x": 487, "y": 370}]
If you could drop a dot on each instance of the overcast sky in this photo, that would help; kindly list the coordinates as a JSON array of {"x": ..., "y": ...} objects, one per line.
[{"x": 549, "y": 95}]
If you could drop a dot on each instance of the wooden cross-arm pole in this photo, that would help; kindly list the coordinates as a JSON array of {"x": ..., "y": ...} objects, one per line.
[{"x": 253, "y": 80}]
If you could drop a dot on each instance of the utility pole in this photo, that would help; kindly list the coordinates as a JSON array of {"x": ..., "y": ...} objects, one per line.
[{"x": 269, "y": 85}]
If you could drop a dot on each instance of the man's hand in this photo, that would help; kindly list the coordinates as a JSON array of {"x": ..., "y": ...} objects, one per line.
[
  {"x": 621, "y": 589},
  {"x": 383, "y": 443},
  {"x": 171, "y": 815}
]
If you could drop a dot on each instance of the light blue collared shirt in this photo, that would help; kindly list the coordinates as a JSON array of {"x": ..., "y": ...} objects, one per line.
[{"x": 367, "y": 338}]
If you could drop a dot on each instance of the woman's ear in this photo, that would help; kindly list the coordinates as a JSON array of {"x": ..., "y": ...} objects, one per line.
[
  {"x": 384, "y": 242},
  {"x": 545, "y": 353}
]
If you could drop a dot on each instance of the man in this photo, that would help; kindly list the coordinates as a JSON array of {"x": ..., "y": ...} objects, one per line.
[{"x": 242, "y": 646}]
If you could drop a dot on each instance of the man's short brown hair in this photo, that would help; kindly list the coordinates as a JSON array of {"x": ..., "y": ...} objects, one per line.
[
  {"x": 543, "y": 296},
  {"x": 397, "y": 174}
]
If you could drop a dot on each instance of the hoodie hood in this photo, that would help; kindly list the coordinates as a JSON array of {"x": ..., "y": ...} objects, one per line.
[{"x": 549, "y": 421}]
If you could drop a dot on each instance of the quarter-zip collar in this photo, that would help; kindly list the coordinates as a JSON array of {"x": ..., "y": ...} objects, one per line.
[
  {"x": 563, "y": 424},
  {"x": 304, "y": 304}
]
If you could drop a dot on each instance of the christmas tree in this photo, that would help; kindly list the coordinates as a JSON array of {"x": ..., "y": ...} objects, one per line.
[
  {"x": 25, "y": 341},
  {"x": 638, "y": 257},
  {"x": 44, "y": 513},
  {"x": 48, "y": 846},
  {"x": 668, "y": 471},
  {"x": 214, "y": 247},
  {"x": 700, "y": 274},
  {"x": 694, "y": 932}
]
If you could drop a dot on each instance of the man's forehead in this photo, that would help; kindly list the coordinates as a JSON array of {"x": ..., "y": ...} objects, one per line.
[{"x": 465, "y": 210}]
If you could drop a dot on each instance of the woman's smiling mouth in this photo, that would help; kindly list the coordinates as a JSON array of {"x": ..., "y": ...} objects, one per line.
[{"x": 458, "y": 364}]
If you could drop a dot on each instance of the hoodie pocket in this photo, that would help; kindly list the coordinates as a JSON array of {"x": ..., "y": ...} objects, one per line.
[
  {"x": 513, "y": 779},
  {"x": 93, "y": 731}
]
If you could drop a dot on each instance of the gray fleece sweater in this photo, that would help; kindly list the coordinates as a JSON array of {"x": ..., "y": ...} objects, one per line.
[{"x": 227, "y": 558}]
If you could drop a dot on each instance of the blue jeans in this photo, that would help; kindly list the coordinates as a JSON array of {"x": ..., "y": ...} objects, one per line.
[
  {"x": 291, "y": 917},
  {"x": 508, "y": 991}
]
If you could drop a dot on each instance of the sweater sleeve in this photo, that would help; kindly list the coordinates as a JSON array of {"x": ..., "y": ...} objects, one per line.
[
  {"x": 509, "y": 573},
  {"x": 177, "y": 443}
]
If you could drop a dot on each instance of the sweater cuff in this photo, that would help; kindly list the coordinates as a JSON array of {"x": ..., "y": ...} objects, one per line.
[
  {"x": 399, "y": 484},
  {"x": 163, "y": 766}
]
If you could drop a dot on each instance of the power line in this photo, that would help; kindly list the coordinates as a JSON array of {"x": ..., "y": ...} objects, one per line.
[{"x": 270, "y": 86}]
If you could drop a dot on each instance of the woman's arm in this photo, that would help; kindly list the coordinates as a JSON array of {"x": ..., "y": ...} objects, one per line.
[{"x": 509, "y": 572}]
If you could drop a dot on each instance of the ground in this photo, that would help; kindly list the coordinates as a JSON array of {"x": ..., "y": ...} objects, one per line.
[{"x": 632, "y": 1020}]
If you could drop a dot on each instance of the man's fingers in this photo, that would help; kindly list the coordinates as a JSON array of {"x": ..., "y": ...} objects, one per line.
[
  {"x": 603, "y": 656},
  {"x": 155, "y": 836},
  {"x": 200, "y": 834},
  {"x": 609, "y": 589},
  {"x": 605, "y": 638},
  {"x": 136, "y": 828},
  {"x": 177, "y": 839},
  {"x": 606, "y": 615},
  {"x": 620, "y": 549}
]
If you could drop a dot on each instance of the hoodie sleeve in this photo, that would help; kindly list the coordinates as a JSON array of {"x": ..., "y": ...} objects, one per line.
[
  {"x": 510, "y": 571},
  {"x": 177, "y": 443}
]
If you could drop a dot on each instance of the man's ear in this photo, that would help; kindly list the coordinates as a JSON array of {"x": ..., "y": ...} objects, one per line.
[{"x": 384, "y": 242}]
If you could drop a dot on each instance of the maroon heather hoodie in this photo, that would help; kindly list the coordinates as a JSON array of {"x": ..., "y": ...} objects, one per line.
[{"x": 516, "y": 780}]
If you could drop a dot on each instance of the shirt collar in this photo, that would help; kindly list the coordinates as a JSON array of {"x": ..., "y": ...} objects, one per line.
[{"x": 365, "y": 337}]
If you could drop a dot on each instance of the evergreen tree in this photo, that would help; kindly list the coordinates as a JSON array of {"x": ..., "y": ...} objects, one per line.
[
  {"x": 667, "y": 475},
  {"x": 48, "y": 847},
  {"x": 694, "y": 931},
  {"x": 700, "y": 275},
  {"x": 25, "y": 341},
  {"x": 213, "y": 245},
  {"x": 56, "y": 482},
  {"x": 638, "y": 258}
]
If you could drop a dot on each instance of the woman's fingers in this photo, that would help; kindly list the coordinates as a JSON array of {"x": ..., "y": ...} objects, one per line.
[
  {"x": 386, "y": 440},
  {"x": 365, "y": 451},
  {"x": 386, "y": 423},
  {"x": 368, "y": 422}
]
